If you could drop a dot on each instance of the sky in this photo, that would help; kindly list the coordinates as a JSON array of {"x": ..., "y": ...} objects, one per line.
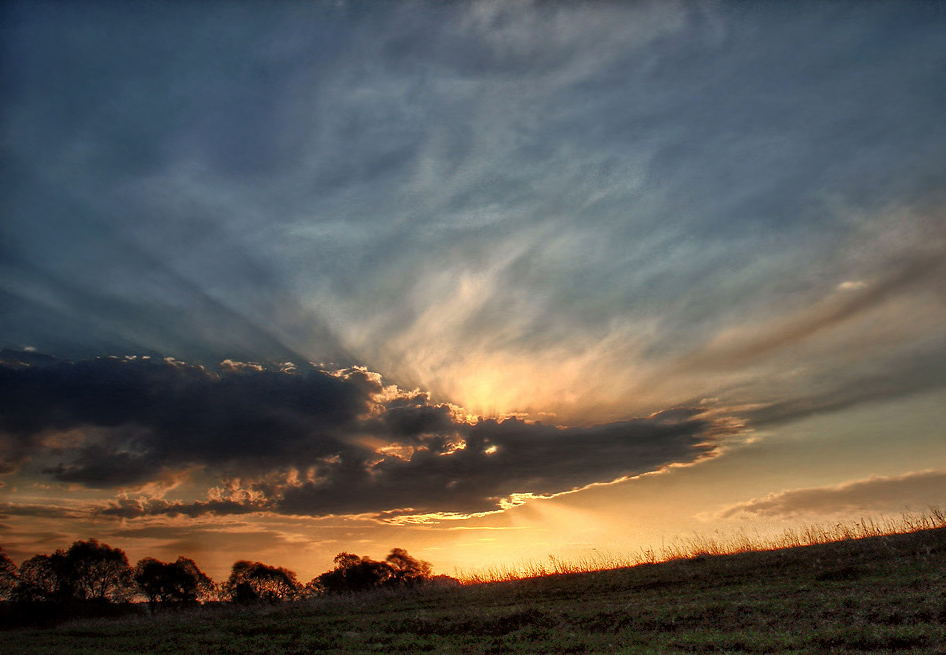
[{"x": 488, "y": 281}]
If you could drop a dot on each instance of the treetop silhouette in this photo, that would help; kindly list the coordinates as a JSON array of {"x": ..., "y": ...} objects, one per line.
[
  {"x": 254, "y": 581},
  {"x": 354, "y": 574},
  {"x": 88, "y": 570},
  {"x": 89, "y": 577},
  {"x": 166, "y": 582}
]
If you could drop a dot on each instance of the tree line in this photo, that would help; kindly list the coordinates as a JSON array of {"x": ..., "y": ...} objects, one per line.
[{"x": 93, "y": 572}]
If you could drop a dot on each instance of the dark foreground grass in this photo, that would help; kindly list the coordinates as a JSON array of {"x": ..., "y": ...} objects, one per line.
[{"x": 877, "y": 595}]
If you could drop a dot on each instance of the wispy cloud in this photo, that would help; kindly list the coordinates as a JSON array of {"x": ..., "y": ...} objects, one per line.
[
  {"x": 470, "y": 197},
  {"x": 875, "y": 494},
  {"x": 46, "y": 510}
]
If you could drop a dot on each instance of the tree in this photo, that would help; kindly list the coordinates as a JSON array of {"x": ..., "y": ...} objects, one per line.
[
  {"x": 312, "y": 589},
  {"x": 251, "y": 582},
  {"x": 181, "y": 581},
  {"x": 8, "y": 576},
  {"x": 88, "y": 570},
  {"x": 406, "y": 570},
  {"x": 98, "y": 572},
  {"x": 353, "y": 573},
  {"x": 43, "y": 578}
]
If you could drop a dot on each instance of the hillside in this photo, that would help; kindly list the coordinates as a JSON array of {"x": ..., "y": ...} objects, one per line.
[{"x": 874, "y": 595}]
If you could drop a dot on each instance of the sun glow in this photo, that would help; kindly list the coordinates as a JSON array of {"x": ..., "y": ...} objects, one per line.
[{"x": 551, "y": 386}]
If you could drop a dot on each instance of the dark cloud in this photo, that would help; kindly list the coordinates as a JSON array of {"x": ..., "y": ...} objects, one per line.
[
  {"x": 130, "y": 508},
  {"x": 105, "y": 468},
  {"x": 413, "y": 418},
  {"x": 880, "y": 493},
  {"x": 302, "y": 440},
  {"x": 498, "y": 459},
  {"x": 144, "y": 415}
]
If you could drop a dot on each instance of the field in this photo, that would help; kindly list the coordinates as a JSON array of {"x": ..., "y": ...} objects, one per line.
[{"x": 878, "y": 594}]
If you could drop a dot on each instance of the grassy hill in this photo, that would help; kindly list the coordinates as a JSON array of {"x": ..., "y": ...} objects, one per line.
[{"x": 880, "y": 594}]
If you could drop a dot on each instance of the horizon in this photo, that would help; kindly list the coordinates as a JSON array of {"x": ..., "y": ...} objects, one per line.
[{"x": 490, "y": 282}]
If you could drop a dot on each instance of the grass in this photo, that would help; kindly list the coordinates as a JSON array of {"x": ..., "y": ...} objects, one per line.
[
  {"x": 877, "y": 593},
  {"x": 700, "y": 545}
]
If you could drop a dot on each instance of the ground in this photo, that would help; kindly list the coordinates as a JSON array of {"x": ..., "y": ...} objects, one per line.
[{"x": 877, "y": 595}]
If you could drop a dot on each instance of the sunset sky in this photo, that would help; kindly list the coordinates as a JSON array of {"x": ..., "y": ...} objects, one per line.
[{"x": 488, "y": 281}]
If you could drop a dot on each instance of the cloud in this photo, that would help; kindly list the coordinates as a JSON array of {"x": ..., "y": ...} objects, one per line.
[
  {"x": 305, "y": 440},
  {"x": 234, "y": 537},
  {"x": 126, "y": 508},
  {"x": 912, "y": 370},
  {"x": 150, "y": 415},
  {"x": 498, "y": 459},
  {"x": 45, "y": 510},
  {"x": 826, "y": 348},
  {"x": 922, "y": 270},
  {"x": 473, "y": 196},
  {"x": 875, "y": 494},
  {"x": 581, "y": 211}
]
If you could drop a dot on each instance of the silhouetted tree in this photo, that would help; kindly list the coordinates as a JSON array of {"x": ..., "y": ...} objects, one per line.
[
  {"x": 43, "y": 578},
  {"x": 98, "y": 572},
  {"x": 181, "y": 581},
  {"x": 353, "y": 573},
  {"x": 8, "y": 576},
  {"x": 312, "y": 589},
  {"x": 406, "y": 570},
  {"x": 251, "y": 582},
  {"x": 88, "y": 570}
]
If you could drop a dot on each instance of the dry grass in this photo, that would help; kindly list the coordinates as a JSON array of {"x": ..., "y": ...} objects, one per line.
[{"x": 703, "y": 546}]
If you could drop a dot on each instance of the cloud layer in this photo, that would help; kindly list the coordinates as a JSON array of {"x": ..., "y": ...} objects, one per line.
[
  {"x": 876, "y": 494},
  {"x": 304, "y": 440}
]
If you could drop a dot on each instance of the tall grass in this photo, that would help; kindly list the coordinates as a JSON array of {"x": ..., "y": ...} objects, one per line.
[{"x": 701, "y": 546}]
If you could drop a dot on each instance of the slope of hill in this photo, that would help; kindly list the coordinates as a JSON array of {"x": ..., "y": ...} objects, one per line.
[{"x": 875, "y": 595}]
